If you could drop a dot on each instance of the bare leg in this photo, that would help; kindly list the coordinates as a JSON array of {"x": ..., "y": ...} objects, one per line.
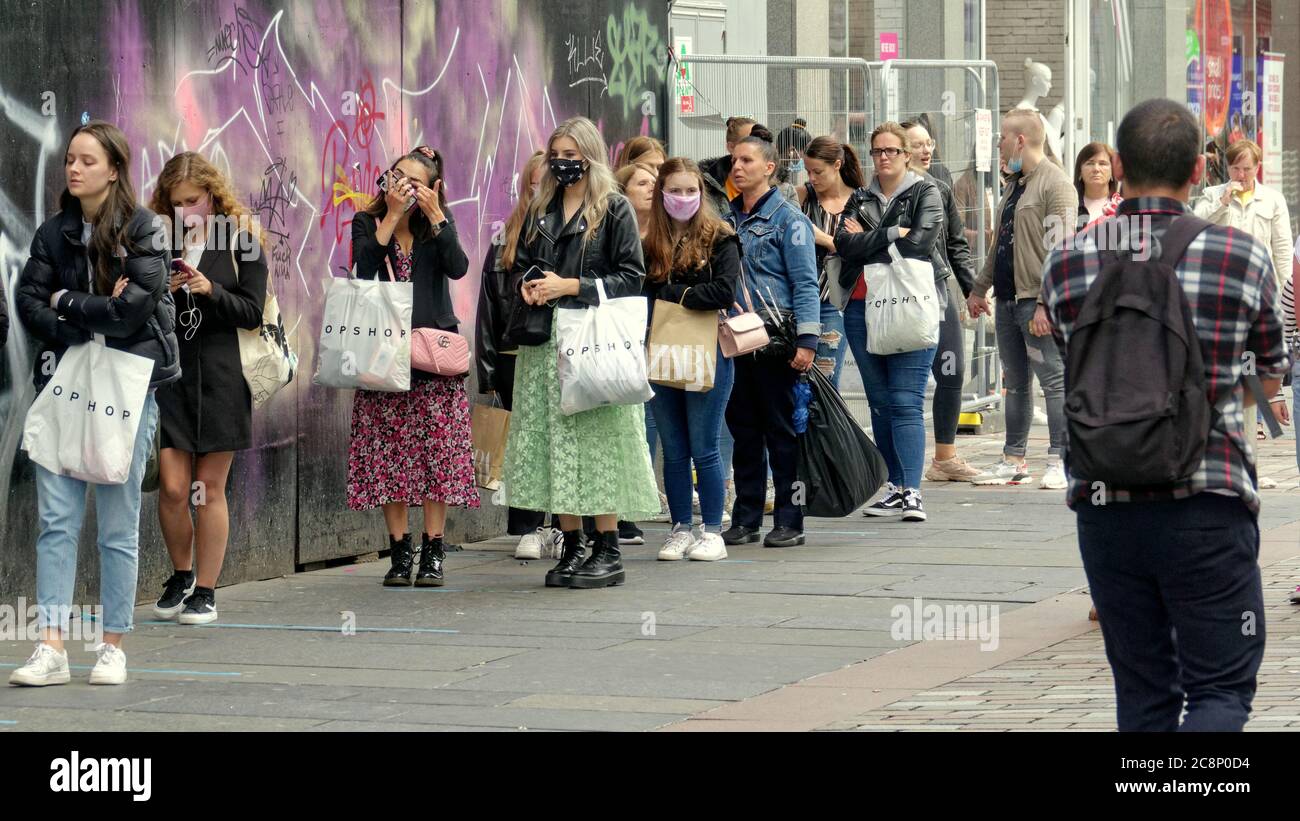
[
  {"x": 214, "y": 516},
  {"x": 174, "y": 474}
]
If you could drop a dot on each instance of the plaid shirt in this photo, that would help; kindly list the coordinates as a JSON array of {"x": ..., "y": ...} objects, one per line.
[{"x": 1228, "y": 279}]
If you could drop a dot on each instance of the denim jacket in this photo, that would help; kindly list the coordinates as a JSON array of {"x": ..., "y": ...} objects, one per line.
[{"x": 780, "y": 256}]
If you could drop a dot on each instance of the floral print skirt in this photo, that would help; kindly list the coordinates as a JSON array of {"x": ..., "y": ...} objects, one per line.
[
  {"x": 412, "y": 447},
  {"x": 589, "y": 464}
]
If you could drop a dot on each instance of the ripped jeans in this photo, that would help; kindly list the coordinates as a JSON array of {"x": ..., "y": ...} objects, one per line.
[{"x": 831, "y": 348}]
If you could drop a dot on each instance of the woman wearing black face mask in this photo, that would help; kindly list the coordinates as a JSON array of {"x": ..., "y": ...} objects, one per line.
[{"x": 579, "y": 231}]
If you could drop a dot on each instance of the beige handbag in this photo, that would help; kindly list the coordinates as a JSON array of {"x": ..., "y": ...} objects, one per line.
[
  {"x": 265, "y": 356},
  {"x": 682, "y": 352}
]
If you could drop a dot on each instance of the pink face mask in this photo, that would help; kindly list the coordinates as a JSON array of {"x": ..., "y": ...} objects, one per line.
[
  {"x": 681, "y": 208},
  {"x": 193, "y": 216}
]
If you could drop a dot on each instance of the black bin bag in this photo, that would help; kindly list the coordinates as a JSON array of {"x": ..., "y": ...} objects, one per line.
[{"x": 839, "y": 465}]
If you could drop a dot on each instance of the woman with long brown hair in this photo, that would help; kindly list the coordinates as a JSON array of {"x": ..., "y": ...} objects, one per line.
[
  {"x": 413, "y": 449},
  {"x": 97, "y": 268},
  {"x": 219, "y": 277},
  {"x": 645, "y": 150},
  {"x": 495, "y": 353},
  {"x": 692, "y": 260}
]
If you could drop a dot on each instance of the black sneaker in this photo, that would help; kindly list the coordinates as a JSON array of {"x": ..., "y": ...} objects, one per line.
[
  {"x": 175, "y": 591},
  {"x": 913, "y": 511},
  {"x": 739, "y": 534},
  {"x": 629, "y": 533},
  {"x": 783, "y": 537},
  {"x": 891, "y": 504},
  {"x": 200, "y": 607}
]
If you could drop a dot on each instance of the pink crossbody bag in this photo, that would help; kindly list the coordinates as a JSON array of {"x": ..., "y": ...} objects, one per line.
[
  {"x": 438, "y": 352},
  {"x": 743, "y": 333}
]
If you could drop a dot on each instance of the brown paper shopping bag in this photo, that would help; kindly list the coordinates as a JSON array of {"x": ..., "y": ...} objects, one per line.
[
  {"x": 490, "y": 427},
  {"x": 683, "y": 347}
]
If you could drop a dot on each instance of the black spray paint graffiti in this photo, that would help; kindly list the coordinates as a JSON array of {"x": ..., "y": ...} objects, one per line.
[{"x": 271, "y": 205}]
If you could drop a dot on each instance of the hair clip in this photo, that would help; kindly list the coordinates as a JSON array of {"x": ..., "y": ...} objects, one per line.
[{"x": 427, "y": 151}]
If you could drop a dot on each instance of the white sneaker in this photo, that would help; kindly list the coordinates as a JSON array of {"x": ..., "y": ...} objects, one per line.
[
  {"x": 678, "y": 543},
  {"x": 709, "y": 547},
  {"x": 553, "y": 543},
  {"x": 1054, "y": 478},
  {"x": 727, "y": 502},
  {"x": 111, "y": 667},
  {"x": 530, "y": 545},
  {"x": 46, "y": 666},
  {"x": 1003, "y": 473}
]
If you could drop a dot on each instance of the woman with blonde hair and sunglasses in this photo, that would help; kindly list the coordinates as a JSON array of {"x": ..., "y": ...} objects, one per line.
[
  {"x": 219, "y": 278},
  {"x": 579, "y": 232}
]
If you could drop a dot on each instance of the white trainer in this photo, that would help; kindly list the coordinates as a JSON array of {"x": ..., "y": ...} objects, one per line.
[
  {"x": 676, "y": 545},
  {"x": 553, "y": 543},
  {"x": 709, "y": 547},
  {"x": 1054, "y": 477},
  {"x": 1005, "y": 472},
  {"x": 46, "y": 666},
  {"x": 111, "y": 667},
  {"x": 530, "y": 545}
]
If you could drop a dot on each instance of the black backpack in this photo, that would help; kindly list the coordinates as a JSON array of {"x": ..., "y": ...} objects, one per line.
[{"x": 1136, "y": 407}]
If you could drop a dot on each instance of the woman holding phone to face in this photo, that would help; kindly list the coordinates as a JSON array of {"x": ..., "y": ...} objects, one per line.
[
  {"x": 97, "y": 268},
  {"x": 413, "y": 449},
  {"x": 218, "y": 277},
  {"x": 579, "y": 231}
]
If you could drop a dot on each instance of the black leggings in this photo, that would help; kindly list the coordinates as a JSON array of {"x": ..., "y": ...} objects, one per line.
[{"x": 949, "y": 369}]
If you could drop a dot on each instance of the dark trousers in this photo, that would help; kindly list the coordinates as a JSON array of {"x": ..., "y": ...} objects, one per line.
[
  {"x": 1178, "y": 591},
  {"x": 518, "y": 522},
  {"x": 760, "y": 416}
]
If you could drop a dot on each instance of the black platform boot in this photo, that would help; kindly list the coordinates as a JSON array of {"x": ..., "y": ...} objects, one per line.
[
  {"x": 402, "y": 556},
  {"x": 432, "y": 554},
  {"x": 604, "y": 568},
  {"x": 570, "y": 560}
]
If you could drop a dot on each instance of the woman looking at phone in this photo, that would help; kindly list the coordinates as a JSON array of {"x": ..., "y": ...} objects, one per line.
[
  {"x": 218, "y": 277},
  {"x": 579, "y": 231},
  {"x": 413, "y": 449}
]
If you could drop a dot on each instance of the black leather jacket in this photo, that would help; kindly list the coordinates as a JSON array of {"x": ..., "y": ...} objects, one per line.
[
  {"x": 710, "y": 287},
  {"x": 613, "y": 255},
  {"x": 494, "y": 304},
  {"x": 954, "y": 250},
  {"x": 141, "y": 321},
  {"x": 918, "y": 207},
  {"x": 4, "y": 315}
]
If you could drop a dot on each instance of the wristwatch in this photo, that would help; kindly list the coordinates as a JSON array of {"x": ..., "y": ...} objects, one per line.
[{"x": 437, "y": 229}]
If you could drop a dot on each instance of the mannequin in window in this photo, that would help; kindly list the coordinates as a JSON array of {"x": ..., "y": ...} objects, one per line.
[{"x": 1038, "y": 84}]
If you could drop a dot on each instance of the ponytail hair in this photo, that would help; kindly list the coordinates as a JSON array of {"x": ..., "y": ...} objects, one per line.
[{"x": 830, "y": 151}]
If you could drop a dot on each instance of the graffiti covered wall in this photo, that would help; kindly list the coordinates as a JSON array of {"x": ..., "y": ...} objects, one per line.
[{"x": 303, "y": 104}]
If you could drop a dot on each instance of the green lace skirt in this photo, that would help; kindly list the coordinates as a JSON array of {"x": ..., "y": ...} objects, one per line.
[{"x": 589, "y": 464}]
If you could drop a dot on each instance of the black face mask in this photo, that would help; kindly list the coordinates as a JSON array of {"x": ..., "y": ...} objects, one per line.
[{"x": 566, "y": 172}]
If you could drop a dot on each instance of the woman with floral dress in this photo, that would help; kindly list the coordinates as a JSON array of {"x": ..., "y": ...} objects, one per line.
[{"x": 413, "y": 449}]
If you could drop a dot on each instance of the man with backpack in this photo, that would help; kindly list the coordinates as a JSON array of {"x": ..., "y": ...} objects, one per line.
[{"x": 1165, "y": 342}]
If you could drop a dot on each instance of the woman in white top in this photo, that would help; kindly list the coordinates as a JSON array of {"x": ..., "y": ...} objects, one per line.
[{"x": 1251, "y": 206}]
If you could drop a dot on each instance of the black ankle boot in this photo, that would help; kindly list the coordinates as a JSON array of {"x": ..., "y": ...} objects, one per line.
[
  {"x": 604, "y": 568},
  {"x": 570, "y": 560},
  {"x": 432, "y": 554},
  {"x": 402, "y": 556}
]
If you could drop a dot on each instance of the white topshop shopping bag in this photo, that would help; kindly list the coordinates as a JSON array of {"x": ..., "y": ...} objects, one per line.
[
  {"x": 601, "y": 353},
  {"x": 84, "y": 422},
  {"x": 902, "y": 306},
  {"x": 365, "y": 339}
]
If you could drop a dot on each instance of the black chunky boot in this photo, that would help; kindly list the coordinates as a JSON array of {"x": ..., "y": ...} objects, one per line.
[
  {"x": 432, "y": 554},
  {"x": 604, "y": 568},
  {"x": 570, "y": 560},
  {"x": 402, "y": 556}
]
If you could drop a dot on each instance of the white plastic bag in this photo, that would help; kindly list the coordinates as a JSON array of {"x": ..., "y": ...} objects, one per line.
[
  {"x": 601, "y": 352},
  {"x": 84, "y": 422},
  {"x": 365, "y": 339},
  {"x": 902, "y": 306}
]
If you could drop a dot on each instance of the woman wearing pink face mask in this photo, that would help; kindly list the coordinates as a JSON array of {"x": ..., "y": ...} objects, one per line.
[
  {"x": 218, "y": 280},
  {"x": 692, "y": 260}
]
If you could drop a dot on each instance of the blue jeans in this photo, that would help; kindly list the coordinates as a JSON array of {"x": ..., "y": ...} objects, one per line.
[
  {"x": 831, "y": 349},
  {"x": 651, "y": 429},
  {"x": 689, "y": 423},
  {"x": 895, "y": 388},
  {"x": 61, "y": 507},
  {"x": 1025, "y": 356}
]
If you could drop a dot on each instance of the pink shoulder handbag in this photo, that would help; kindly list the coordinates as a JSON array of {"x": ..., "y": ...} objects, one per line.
[
  {"x": 438, "y": 352},
  {"x": 745, "y": 332}
]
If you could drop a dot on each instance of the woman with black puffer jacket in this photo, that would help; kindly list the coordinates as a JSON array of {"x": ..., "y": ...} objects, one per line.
[{"x": 99, "y": 267}]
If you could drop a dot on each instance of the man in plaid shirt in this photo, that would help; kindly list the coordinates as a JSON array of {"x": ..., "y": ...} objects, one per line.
[{"x": 1175, "y": 574}]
